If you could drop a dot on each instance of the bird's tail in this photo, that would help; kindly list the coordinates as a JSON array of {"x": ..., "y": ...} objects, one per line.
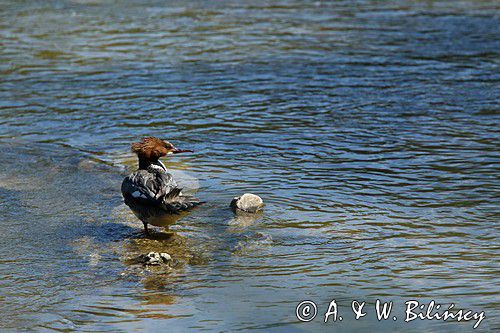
[{"x": 174, "y": 201}]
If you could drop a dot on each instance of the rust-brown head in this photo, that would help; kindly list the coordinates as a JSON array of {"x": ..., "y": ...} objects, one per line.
[{"x": 151, "y": 148}]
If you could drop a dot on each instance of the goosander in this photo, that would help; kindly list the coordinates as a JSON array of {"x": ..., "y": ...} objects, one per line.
[{"x": 151, "y": 192}]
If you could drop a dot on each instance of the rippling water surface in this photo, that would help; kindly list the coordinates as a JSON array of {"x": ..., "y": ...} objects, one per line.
[{"x": 370, "y": 129}]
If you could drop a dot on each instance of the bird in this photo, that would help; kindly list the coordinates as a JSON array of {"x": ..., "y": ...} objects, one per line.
[{"x": 151, "y": 191}]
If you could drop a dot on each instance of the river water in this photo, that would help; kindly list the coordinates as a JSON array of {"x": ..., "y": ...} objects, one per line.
[{"x": 369, "y": 128}]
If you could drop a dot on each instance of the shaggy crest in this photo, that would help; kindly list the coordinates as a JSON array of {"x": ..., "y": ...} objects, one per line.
[{"x": 151, "y": 148}]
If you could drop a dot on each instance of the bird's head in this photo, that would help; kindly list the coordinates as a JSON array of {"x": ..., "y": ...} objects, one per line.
[{"x": 151, "y": 148}]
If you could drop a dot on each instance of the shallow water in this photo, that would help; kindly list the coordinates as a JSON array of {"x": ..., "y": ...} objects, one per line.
[{"x": 370, "y": 130}]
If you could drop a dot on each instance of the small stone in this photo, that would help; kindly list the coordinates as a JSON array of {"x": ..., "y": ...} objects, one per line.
[
  {"x": 165, "y": 257},
  {"x": 248, "y": 202},
  {"x": 152, "y": 258}
]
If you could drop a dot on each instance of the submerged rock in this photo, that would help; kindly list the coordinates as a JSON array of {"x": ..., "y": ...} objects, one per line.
[
  {"x": 154, "y": 258},
  {"x": 252, "y": 242},
  {"x": 248, "y": 202}
]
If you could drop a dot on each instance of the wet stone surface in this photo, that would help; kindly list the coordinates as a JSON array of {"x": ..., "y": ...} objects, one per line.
[
  {"x": 154, "y": 259},
  {"x": 248, "y": 202}
]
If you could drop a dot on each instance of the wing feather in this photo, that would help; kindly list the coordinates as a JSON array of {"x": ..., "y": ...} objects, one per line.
[{"x": 155, "y": 187}]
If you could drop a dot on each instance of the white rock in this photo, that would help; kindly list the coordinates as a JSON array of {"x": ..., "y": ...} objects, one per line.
[
  {"x": 248, "y": 202},
  {"x": 165, "y": 257},
  {"x": 152, "y": 258}
]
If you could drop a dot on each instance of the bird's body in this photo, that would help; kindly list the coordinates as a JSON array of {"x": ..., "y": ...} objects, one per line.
[{"x": 151, "y": 192}]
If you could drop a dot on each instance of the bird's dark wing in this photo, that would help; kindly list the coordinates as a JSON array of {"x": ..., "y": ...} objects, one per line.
[
  {"x": 155, "y": 187},
  {"x": 147, "y": 186}
]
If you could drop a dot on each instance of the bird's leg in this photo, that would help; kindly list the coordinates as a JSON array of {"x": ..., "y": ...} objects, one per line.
[{"x": 146, "y": 229}]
